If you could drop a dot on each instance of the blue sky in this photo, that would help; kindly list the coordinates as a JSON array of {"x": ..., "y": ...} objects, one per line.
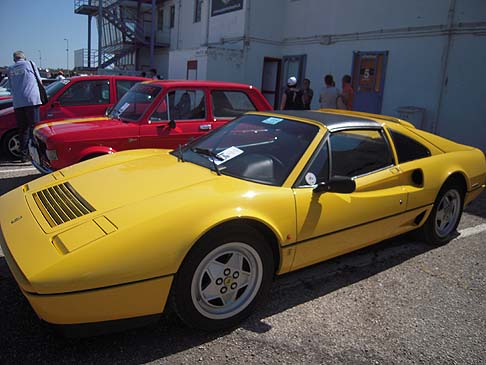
[{"x": 42, "y": 25}]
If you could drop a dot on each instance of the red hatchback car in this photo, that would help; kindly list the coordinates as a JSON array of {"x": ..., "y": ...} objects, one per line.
[
  {"x": 74, "y": 97},
  {"x": 153, "y": 114}
]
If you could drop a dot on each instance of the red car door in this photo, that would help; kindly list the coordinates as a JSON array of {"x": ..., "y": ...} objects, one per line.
[
  {"x": 82, "y": 98},
  {"x": 181, "y": 114}
]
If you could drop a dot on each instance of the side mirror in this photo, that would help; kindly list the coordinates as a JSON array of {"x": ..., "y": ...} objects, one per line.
[
  {"x": 172, "y": 124},
  {"x": 336, "y": 184}
]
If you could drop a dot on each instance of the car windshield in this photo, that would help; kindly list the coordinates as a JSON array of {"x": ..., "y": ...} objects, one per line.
[
  {"x": 253, "y": 147},
  {"x": 135, "y": 102},
  {"x": 53, "y": 88}
]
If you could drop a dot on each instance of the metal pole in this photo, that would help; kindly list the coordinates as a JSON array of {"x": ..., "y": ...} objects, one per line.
[
  {"x": 89, "y": 37},
  {"x": 89, "y": 40},
  {"x": 67, "y": 54},
  {"x": 100, "y": 30},
  {"x": 444, "y": 65},
  {"x": 152, "y": 36},
  {"x": 40, "y": 59}
]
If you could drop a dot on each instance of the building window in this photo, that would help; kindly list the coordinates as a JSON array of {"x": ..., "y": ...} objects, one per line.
[
  {"x": 172, "y": 16},
  {"x": 160, "y": 20},
  {"x": 197, "y": 10}
]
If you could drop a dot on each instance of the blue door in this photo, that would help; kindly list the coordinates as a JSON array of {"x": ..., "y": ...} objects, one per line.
[{"x": 369, "y": 70}]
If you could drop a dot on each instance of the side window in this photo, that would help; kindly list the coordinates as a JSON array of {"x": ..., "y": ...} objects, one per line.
[
  {"x": 230, "y": 104},
  {"x": 359, "y": 152},
  {"x": 407, "y": 148},
  {"x": 187, "y": 104},
  {"x": 160, "y": 114},
  {"x": 86, "y": 93},
  {"x": 318, "y": 170},
  {"x": 122, "y": 86}
]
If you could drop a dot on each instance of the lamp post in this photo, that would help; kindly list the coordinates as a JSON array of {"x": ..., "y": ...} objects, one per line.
[
  {"x": 67, "y": 54},
  {"x": 40, "y": 59}
]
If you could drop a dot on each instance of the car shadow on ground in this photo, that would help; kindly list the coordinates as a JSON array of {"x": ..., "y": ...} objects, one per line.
[{"x": 25, "y": 339}]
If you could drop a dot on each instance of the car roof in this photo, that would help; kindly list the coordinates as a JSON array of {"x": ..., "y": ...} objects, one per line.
[
  {"x": 97, "y": 77},
  {"x": 333, "y": 122},
  {"x": 200, "y": 83}
]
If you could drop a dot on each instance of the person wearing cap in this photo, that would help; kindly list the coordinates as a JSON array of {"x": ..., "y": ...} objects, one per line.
[
  {"x": 292, "y": 97},
  {"x": 26, "y": 98}
]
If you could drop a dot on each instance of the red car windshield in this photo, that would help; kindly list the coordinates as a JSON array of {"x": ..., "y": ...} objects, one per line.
[{"x": 133, "y": 105}]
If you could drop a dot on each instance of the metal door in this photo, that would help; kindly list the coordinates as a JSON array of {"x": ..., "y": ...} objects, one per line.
[{"x": 369, "y": 69}]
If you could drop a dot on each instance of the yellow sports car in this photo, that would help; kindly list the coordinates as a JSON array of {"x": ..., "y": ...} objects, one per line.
[{"x": 205, "y": 228}]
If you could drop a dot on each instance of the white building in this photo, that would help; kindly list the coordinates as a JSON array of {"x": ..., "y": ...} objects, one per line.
[{"x": 427, "y": 54}]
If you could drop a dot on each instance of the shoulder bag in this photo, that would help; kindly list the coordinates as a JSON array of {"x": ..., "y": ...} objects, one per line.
[{"x": 42, "y": 89}]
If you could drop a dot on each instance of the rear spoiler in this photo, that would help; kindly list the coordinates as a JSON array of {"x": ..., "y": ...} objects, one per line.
[{"x": 370, "y": 115}]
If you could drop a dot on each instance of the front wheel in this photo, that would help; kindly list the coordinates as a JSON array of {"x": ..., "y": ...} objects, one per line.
[
  {"x": 445, "y": 216},
  {"x": 222, "y": 279}
]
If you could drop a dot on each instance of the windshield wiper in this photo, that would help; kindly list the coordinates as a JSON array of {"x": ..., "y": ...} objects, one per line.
[
  {"x": 180, "y": 156},
  {"x": 206, "y": 152}
]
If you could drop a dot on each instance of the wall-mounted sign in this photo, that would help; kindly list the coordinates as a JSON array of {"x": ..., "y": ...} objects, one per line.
[{"x": 225, "y": 6}]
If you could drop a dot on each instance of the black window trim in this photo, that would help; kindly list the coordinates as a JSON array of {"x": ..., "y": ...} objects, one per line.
[
  {"x": 326, "y": 139},
  {"x": 381, "y": 130},
  {"x": 389, "y": 132},
  {"x": 320, "y": 146}
]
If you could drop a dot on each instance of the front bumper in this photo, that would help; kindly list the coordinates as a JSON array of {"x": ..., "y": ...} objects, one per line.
[
  {"x": 22, "y": 242},
  {"x": 119, "y": 302}
]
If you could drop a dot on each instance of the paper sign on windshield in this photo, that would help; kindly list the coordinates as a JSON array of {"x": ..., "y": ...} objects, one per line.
[
  {"x": 228, "y": 154},
  {"x": 272, "y": 120}
]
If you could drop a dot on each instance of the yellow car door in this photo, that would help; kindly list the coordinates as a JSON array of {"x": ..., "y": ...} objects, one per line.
[{"x": 331, "y": 223}]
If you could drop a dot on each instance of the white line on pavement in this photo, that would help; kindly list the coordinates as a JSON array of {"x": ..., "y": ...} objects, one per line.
[
  {"x": 19, "y": 170},
  {"x": 470, "y": 231}
]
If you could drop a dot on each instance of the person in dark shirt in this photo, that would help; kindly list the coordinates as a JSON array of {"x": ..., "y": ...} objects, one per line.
[
  {"x": 307, "y": 94},
  {"x": 292, "y": 97}
]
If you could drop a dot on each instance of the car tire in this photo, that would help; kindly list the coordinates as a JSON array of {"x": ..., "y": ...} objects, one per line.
[
  {"x": 11, "y": 144},
  {"x": 446, "y": 213},
  {"x": 222, "y": 279}
]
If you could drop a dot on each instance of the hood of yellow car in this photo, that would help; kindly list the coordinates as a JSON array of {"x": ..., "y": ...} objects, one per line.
[{"x": 111, "y": 182}]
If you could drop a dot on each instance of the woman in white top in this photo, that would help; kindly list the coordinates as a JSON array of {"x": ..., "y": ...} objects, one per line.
[{"x": 329, "y": 94}]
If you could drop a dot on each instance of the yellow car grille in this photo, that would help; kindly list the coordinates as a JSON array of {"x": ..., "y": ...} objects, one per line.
[{"x": 61, "y": 203}]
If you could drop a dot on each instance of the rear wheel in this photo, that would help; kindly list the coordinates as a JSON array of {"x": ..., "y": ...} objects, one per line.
[
  {"x": 442, "y": 223},
  {"x": 222, "y": 279},
  {"x": 11, "y": 144}
]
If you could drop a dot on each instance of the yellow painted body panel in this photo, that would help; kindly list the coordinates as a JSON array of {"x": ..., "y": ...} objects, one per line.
[
  {"x": 150, "y": 210},
  {"x": 69, "y": 121},
  {"x": 124, "y": 301}
]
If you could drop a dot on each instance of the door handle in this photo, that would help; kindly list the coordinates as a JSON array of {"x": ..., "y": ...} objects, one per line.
[{"x": 205, "y": 127}]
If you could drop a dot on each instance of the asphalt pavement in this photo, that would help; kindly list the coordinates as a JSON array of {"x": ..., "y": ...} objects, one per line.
[{"x": 397, "y": 302}]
